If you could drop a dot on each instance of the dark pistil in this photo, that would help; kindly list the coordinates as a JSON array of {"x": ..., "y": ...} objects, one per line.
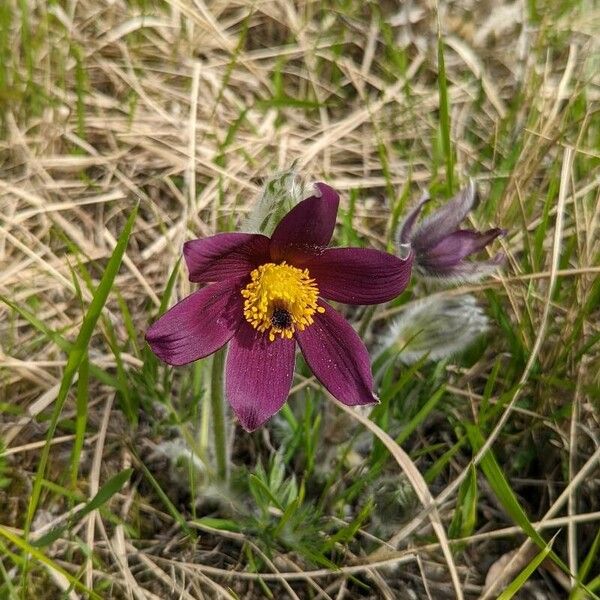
[{"x": 281, "y": 318}]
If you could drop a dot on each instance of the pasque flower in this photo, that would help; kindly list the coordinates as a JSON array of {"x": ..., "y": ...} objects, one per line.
[
  {"x": 263, "y": 295},
  {"x": 441, "y": 248}
]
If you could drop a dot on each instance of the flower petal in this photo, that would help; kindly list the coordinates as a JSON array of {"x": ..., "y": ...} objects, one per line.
[
  {"x": 198, "y": 325},
  {"x": 360, "y": 275},
  {"x": 338, "y": 358},
  {"x": 258, "y": 375},
  {"x": 444, "y": 220},
  {"x": 307, "y": 229},
  {"x": 452, "y": 249},
  {"x": 225, "y": 256},
  {"x": 405, "y": 230},
  {"x": 465, "y": 271}
]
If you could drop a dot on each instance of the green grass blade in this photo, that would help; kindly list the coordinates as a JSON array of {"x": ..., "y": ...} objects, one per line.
[
  {"x": 465, "y": 514},
  {"x": 129, "y": 325},
  {"x": 421, "y": 415},
  {"x": 501, "y": 487},
  {"x": 508, "y": 499},
  {"x": 99, "y": 373},
  {"x": 440, "y": 464},
  {"x": 76, "y": 356},
  {"x": 80, "y": 419},
  {"x": 105, "y": 493},
  {"x": 126, "y": 402},
  {"x": 80, "y": 88},
  {"x": 445, "y": 116},
  {"x": 166, "y": 297},
  {"x": 41, "y": 557},
  {"x": 524, "y": 575},
  {"x": 588, "y": 563},
  {"x": 171, "y": 508},
  {"x": 7, "y": 590}
]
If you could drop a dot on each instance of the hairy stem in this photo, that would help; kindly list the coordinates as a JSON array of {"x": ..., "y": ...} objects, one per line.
[{"x": 218, "y": 413}]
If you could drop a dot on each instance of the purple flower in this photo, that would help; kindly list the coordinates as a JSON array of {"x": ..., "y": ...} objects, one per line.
[
  {"x": 265, "y": 294},
  {"x": 441, "y": 248}
]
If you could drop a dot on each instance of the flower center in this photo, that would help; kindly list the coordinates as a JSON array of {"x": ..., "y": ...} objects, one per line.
[{"x": 280, "y": 298}]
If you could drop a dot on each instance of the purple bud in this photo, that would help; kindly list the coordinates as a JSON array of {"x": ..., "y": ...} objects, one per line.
[{"x": 441, "y": 247}]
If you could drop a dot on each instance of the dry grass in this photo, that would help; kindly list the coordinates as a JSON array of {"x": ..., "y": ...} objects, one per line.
[{"x": 186, "y": 106}]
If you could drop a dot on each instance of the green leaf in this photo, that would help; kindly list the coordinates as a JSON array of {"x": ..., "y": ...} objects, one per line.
[
  {"x": 347, "y": 533},
  {"x": 260, "y": 489},
  {"x": 220, "y": 524},
  {"x": 108, "y": 490}
]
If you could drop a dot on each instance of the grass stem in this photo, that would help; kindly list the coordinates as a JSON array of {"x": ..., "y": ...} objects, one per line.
[{"x": 445, "y": 116}]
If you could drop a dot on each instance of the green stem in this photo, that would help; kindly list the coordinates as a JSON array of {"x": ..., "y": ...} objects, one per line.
[
  {"x": 445, "y": 115},
  {"x": 218, "y": 414},
  {"x": 366, "y": 320}
]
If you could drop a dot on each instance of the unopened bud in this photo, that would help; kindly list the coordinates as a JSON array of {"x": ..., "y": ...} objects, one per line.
[
  {"x": 436, "y": 327},
  {"x": 279, "y": 195}
]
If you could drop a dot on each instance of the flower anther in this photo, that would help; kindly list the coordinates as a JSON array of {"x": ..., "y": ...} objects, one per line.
[{"x": 280, "y": 299}]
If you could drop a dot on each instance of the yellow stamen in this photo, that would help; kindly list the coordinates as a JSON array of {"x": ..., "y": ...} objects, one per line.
[{"x": 280, "y": 299}]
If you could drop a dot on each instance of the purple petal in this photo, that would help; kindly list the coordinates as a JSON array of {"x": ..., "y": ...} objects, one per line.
[
  {"x": 258, "y": 375},
  {"x": 307, "y": 229},
  {"x": 225, "y": 256},
  {"x": 360, "y": 275},
  {"x": 452, "y": 249},
  {"x": 338, "y": 358},
  {"x": 445, "y": 220},
  {"x": 465, "y": 271},
  {"x": 198, "y": 325},
  {"x": 405, "y": 230}
]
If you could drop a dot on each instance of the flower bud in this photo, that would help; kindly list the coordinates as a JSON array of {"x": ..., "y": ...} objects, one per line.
[
  {"x": 436, "y": 327},
  {"x": 441, "y": 248},
  {"x": 279, "y": 195}
]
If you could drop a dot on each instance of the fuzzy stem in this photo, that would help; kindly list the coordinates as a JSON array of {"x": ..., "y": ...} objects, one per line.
[
  {"x": 366, "y": 320},
  {"x": 218, "y": 413}
]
